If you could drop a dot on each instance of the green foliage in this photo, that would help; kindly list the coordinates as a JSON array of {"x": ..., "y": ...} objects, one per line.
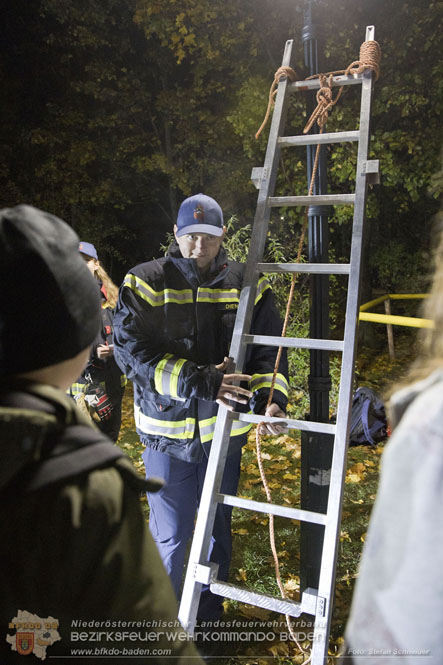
[
  {"x": 115, "y": 112},
  {"x": 398, "y": 270}
]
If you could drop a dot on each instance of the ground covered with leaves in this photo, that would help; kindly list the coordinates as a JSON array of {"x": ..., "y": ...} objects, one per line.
[{"x": 254, "y": 636}]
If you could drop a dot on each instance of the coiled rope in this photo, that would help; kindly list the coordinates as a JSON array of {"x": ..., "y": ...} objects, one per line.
[{"x": 370, "y": 57}]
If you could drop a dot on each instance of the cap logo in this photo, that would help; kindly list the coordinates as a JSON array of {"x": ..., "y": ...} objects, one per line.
[{"x": 199, "y": 213}]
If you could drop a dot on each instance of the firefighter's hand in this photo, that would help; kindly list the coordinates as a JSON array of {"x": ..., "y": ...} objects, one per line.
[
  {"x": 228, "y": 392},
  {"x": 222, "y": 367},
  {"x": 105, "y": 351},
  {"x": 274, "y": 411}
]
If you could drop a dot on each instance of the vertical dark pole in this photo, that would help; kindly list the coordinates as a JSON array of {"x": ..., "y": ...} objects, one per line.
[{"x": 316, "y": 449}]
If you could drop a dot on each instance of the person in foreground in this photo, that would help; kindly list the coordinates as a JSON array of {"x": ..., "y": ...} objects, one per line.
[
  {"x": 172, "y": 331},
  {"x": 78, "y": 566},
  {"x": 397, "y": 608}
]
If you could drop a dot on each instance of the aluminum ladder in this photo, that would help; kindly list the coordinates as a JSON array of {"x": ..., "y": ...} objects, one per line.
[{"x": 315, "y": 602}]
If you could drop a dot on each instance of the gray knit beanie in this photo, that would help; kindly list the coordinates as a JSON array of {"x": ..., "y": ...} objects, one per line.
[{"x": 49, "y": 301}]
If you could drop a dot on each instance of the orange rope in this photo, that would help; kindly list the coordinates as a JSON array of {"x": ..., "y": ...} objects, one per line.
[
  {"x": 369, "y": 58},
  {"x": 282, "y": 72}
]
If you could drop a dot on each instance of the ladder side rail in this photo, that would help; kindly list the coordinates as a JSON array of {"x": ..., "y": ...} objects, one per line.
[
  {"x": 205, "y": 519},
  {"x": 338, "y": 471},
  {"x": 219, "y": 447},
  {"x": 261, "y": 219}
]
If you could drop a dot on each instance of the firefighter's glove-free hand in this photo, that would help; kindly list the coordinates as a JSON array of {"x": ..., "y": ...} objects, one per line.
[
  {"x": 228, "y": 392},
  {"x": 274, "y": 411}
]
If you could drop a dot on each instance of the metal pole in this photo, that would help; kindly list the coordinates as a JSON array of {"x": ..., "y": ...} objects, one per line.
[{"x": 316, "y": 457}]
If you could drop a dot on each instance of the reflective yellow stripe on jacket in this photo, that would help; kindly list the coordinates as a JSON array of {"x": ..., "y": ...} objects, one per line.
[
  {"x": 206, "y": 294},
  {"x": 77, "y": 389},
  {"x": 207, "y": 428},
  {"x": 262, "y": 286},
  {"x": 157, "y": 298},
  {"x": 173, "y": 429},
  {"x": 167, "y": 373},
  {"x": 265, "y": 380}
]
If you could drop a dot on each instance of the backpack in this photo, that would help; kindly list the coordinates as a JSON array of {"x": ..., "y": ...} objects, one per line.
[{"x": 368, "y": 418}]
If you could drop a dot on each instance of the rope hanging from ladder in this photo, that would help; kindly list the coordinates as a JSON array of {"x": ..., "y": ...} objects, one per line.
[
  {"x": 370, "y": 57},
  {"x": 282, "y": 72}
]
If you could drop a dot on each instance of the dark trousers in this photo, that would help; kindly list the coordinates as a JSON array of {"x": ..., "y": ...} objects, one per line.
[{"x": 172, "y": 515}]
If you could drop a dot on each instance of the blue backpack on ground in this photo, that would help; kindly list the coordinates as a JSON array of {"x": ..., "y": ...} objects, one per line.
[{"x": 368, "y": 418}]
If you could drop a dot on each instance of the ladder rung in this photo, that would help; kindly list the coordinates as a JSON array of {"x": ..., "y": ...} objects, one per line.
[
  {"x": 321, "y": 199},
  {"x": 314, "y": 268},
  {"x": 315, "y": 139},
  {"x": 264, "y": 600},
  {"x": 295, "y": 342},
  {"x": 314, "y": 84},
  {"x": 303, "y": 425},
  {"x": 272, "y": 508}
]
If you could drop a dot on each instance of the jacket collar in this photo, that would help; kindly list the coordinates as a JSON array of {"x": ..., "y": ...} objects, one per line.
[{"x": 188, "y": 267}]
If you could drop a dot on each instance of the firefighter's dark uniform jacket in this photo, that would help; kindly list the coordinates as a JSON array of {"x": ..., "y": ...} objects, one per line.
[
  {"x": 103, "y": 371},
  {"x": 171, "y": 327},
  {"x": 74, "y": 545}
]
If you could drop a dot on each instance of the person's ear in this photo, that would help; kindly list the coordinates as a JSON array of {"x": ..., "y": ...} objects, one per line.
[
  {"x": 175, "y": 231},
  {"x": 224, "y": 232}
]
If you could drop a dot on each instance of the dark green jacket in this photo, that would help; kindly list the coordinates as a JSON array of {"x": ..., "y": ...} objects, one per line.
[{"x": 75, "y": 553}]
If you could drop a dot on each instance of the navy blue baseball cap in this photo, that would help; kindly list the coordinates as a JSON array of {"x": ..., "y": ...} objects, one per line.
[
  {"x": 88, "y": 249},
  {"x": 200, "y": 214}
]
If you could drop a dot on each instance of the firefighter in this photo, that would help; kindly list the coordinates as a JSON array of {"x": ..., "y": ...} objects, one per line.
[
  {"x": 172, "y": 331},
  {"x": 101, "y": 385}
]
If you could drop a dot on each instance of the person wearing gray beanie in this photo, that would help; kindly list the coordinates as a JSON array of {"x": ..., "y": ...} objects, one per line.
[
  {"x": 49, "y": 301},
  {"x": 74, "y": 546}
]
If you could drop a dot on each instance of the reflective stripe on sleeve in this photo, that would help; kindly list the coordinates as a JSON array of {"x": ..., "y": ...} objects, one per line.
[
  {"x": 262, "y": 286},
  {"x": 157, "y": 298},
  {"x": 206, "y": 294},
  {"x": 172, "y": 429},
  {"x": 207, "y": 428},
  {"x": 167, "y": 373},
  {"x": 77, "y": 388},
  {"x": 265, "y": 380}
]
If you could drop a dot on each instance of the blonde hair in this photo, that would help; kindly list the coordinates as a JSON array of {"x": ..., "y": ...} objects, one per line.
[{"x": 110, "y": 288}]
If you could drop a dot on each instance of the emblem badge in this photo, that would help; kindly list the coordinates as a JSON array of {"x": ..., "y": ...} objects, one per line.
[
  {"x": 199, "y": 213},
  {"x": 25, "y": 643}
]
